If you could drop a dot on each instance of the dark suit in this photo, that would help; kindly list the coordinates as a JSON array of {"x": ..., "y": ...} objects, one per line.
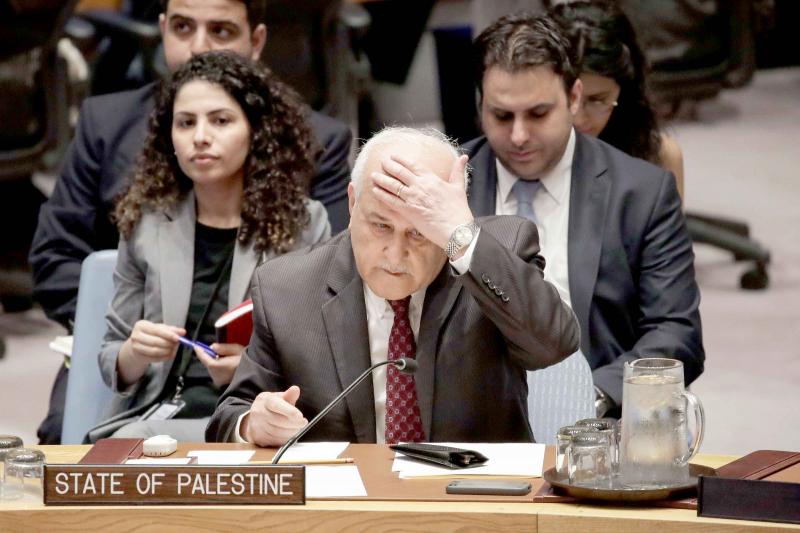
[
  {"x": 473, "y": 347},
  {"x": 75, "y": 221},
  {"x": 630, "y": 260}
]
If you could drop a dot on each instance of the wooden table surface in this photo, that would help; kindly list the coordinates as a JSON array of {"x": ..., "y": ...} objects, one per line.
[{"x": 30, "y": 514}]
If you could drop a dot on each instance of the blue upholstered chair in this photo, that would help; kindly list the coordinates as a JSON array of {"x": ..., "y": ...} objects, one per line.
[
  {"x": 559, "y": 395},
  {"x": 87, "y": 393}
]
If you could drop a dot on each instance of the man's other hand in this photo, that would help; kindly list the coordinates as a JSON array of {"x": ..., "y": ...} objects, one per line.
[{"x": 273, "y": 418}]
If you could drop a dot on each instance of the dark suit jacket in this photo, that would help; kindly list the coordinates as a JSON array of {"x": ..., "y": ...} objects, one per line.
[
  {"x": 75, "y": 221},
  {"x": 473, "y": 348},
  {"x": 630, "y": 259}
]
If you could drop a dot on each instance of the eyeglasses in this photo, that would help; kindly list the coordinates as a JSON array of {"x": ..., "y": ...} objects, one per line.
[{"x": 598, "y": 106}]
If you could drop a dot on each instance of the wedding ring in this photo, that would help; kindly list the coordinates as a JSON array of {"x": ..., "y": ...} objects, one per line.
[{"x": 399, "y": 190}]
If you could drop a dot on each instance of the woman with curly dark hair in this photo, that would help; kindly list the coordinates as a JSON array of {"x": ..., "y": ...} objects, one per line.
[
  {"x": 615, "y": 104},
  {"x": 220, "y": 187}
]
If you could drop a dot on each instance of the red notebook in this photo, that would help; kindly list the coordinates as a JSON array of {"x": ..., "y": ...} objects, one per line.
[{"x": 235, "y": 326}]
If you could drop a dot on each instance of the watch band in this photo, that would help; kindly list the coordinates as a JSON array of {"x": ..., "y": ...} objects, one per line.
[
  {"x": 602, "y": 403},
  {"x": 453, "y": 245}
]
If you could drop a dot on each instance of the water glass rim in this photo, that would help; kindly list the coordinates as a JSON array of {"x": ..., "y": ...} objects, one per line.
[{"x": 656, "y": 363}]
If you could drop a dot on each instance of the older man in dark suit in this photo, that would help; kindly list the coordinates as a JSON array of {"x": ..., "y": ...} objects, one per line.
[
  {"x": 611, "y": 226},
  {"x": 386, "y": 289},
  {"x": 76, "y": 220}
]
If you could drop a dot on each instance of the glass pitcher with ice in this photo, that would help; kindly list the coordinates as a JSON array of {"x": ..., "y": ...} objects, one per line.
[{"x": 654, "y": 446}]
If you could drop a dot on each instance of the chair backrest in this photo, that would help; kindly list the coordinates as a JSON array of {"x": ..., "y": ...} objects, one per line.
[
  {"x": 559, "y": 395},
  {"x": 87, "y": 393},
  {"x": 696, "y": 47},
  {"x": 33, "y": 81}
]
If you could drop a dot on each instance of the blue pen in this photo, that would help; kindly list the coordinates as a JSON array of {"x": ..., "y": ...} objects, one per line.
[{"x": 192, "y": 344}]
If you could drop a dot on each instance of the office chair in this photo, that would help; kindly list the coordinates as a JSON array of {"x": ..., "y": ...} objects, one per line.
[
  {"x": 128, "y": 45},
  {"x": 87, "y": 393},
  {"x": 697, "y": 48},
  {"x": 560, "y": 395},
  {"x": 316, "y": 47},
  {"x": 34, "y": 116}
]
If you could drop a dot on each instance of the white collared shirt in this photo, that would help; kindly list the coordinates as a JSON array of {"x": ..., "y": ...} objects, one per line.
[
  {"x": 380, "y": 318},
  {"x": 551, "y": 205}
]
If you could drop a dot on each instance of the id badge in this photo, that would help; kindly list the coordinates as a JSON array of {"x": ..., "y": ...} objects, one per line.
[{"x": 164, "y": 410}]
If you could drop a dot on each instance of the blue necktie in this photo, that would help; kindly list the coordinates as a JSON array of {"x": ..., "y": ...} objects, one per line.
[{"x": 525, "y": 191}]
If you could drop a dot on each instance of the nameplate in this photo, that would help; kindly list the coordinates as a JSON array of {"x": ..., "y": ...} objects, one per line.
[{"x": 173, "y": 484}]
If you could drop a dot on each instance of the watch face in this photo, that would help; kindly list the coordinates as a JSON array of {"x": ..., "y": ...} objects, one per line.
[{"x": 463, "y": 235}]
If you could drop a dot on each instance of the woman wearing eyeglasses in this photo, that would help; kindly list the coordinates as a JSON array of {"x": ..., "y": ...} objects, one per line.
[{"x": 615, "y": 105}]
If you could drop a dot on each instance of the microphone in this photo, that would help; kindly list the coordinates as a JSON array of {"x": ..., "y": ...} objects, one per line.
[{"x": 403, "y": 364}]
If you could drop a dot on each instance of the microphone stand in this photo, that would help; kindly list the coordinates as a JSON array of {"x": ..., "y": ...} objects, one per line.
[{"x": 404, "y": 364}]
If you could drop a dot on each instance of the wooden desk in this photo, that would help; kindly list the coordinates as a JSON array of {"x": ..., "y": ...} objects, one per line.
[{"x": 29, "y": 514}]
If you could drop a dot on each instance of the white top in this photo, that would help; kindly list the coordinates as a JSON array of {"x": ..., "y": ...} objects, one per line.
[{"x": 551, "y": 205}]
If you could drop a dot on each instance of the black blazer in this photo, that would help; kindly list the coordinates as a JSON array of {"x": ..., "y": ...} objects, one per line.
[
  {"x": 75, "y": 220},
  {"x": 479, "y": 333},
  {"x": 630, "y": 259}
]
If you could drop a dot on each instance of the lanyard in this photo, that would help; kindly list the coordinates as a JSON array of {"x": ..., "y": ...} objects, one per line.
[{"x": 186, "y": 353}]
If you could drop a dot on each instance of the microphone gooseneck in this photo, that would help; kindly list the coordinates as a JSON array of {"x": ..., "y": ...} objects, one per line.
[{"x": 403, "y": 364}]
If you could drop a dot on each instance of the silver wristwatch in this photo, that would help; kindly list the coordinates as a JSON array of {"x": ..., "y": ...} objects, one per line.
[
  {"x": 461, "y": 238},
  {"x": 602, "y": 402}
]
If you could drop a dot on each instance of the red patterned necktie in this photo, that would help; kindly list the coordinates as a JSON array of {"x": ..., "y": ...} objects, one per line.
[{"x": 403, "y": 422}]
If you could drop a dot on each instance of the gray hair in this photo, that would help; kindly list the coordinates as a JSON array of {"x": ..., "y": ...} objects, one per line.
[{"x": 399, "y": 134}]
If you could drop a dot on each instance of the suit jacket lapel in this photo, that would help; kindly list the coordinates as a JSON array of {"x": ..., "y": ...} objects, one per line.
[
  {"x": 439, "y": 300},
  {"x": 345, "y": 318},
  {"x": 483, "y": 180},
  {"x": 245, "y": 260},
  {"x": 589, "y": 197},
  {"x": 176, "y": 258}
]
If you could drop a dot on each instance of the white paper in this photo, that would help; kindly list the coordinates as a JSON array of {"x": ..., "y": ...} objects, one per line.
[
  {"x": 62, "y": 344},
  {"x": 313, "y": 451},
  {"x": 334, "y": 482},
  {"x": 505, "y": 459},
  {"x": 221, "y": 457},
  {"x": 159, "y": 461}
]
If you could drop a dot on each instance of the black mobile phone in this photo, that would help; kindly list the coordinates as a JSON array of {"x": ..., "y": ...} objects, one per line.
[{"x": 489, "y": 486}]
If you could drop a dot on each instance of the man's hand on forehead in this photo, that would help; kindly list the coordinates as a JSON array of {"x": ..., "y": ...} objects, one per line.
[{"x": 435, "y": 206}]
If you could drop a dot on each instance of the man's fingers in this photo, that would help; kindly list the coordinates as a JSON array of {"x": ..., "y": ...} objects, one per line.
[
  {"x": 389, "y": 200},
  {"x": 284, "y": 424},
  {"x": 276, "y": 434},
  {"x": 291, "y": 395},
  {"x": 277, "y": 405},
  {"x": 395, "y": 188},
  {"x": 401, "y": 169},
  {"x": 387, "y": 183}
]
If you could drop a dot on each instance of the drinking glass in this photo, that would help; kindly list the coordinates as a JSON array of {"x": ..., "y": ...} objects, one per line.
[
  {"x": 654, "y": 450},
  {"x": 564, "y": 438},
  {"x": 609, "y": 427},
  {"x": 22, "y": 464},
  {"x": 590, "y": 460},
  {"x": 7, "y": 443}
]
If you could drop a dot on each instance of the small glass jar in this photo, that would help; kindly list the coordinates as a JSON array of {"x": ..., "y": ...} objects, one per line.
[
  {"x": 564, "y": 438},
  {"x": 597, "y": 423},
  {"x": 22, "y": 464},
  {"x": 7, "y": 443},
  {"x": 590, "y": 460},
  {"x": 611, "y": 427}
]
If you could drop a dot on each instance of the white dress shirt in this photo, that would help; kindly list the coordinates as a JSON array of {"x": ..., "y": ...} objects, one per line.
[
  {"x": 551, "y": 205},
  {"x": 380, "y": 318}
]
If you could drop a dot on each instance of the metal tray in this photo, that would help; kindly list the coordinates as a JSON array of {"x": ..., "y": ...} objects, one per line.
[{"x": 562, "y": 485}]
